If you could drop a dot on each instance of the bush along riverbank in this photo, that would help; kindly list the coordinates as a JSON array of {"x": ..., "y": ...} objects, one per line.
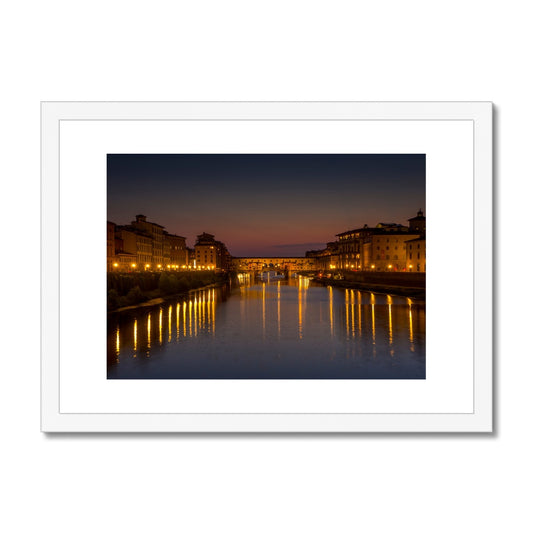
[{"x": 127, "y": 290}]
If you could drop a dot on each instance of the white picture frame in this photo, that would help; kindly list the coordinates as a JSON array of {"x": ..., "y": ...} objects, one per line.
[{"x": 456, "y": 395}]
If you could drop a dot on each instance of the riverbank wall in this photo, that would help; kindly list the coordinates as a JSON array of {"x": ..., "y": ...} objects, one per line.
[
  {"x": 408, "y": 284},
  {"x": 147, "y": 288}
]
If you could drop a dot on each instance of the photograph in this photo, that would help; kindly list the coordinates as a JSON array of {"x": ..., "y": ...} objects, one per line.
[{"x": 266, "y": 266}]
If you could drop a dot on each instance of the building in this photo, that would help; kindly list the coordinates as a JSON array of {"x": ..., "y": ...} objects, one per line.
[
  {"x": 385, "y": 251},
  {"x": 418, "y": 224},
  {"x": 381, "y": 248},
  {"x": 110, "y": 246},
  {"x": 416, "y": 248},
  {"x": 155, "y": 233},
  {"x": 210, "y": 254},
  {"x": 416, "y": 255},
  {"x": 326, "y": 259},
  {"x": 136, "y": 248},
  {"x": 142, "y": 246},
  {"x": 175, "y": 251}
]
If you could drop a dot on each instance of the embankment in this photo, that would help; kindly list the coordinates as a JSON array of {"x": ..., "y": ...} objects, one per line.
[
  {"x": 129, "y": 290},
  {"x": 408, "y": 284}
]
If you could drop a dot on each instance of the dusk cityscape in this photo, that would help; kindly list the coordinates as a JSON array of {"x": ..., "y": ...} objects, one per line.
[
  {"x": 280, "y": 204},
  {"x": 266, "y": 266}
]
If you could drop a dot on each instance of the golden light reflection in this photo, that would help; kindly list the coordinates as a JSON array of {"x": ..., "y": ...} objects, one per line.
[
  {"x": 213, "y": 309},
  {"x": 347, "y": 312},
  {"x": 359, "y": 302},
  {"x": 279, "y": 309},
  {"x": 263, "y": 298},
  {"x": 389, "y": 302},
  {"x": 372, "y": 303},
  {"x": 118, "y": 343},
  {"x": 195, "y": 316},
  {"x": 201, "y": 308},
  {"x": 161, "y": 326},
  {"x": 390, "y": 324},
  {"x": 300, "y": 333},
  {"x": 190, "y": 318},
  {"x": 352, "y": 300},
  {"x": 209, "y": 306},
  {"x": 170, "y": 324},
  {"x": 184, "y": 319},
  {"x": 149, "y": 330},
  {"x": 411, "y": 338},
  {"x": 330, "y": 296},
  {"x": 391, "y": 334}
]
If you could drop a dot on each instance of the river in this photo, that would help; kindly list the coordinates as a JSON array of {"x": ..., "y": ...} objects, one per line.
[{"x": 290, "y": 329}]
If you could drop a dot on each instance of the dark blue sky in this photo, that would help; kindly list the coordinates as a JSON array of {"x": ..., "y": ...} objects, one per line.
[{"x": 279, "y": 204}]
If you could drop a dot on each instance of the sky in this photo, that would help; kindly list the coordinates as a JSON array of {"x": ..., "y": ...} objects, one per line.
[{"x": 265, "y": 204}]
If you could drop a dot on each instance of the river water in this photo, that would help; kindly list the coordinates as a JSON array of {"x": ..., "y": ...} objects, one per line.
[{"x": 270, "y": 330}]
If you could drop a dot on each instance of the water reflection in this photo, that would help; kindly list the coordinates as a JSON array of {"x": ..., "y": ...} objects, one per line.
[{"x": 306, "y": 329}]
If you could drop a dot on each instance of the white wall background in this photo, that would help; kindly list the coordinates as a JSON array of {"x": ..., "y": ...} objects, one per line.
[{"x": 277, "y": 50}]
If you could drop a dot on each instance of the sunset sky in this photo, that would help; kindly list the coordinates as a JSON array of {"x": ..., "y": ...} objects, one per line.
[{"x": 265, "y": 205}]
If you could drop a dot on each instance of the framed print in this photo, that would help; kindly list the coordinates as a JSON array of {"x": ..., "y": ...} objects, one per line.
[{"x": 266, "y": 267}]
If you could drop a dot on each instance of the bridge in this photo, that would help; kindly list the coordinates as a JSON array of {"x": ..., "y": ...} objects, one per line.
[{"x": 281, "y": 264}]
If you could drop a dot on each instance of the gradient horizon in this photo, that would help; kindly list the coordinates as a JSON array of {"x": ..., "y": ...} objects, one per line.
[{"x": 265, "y": 204}]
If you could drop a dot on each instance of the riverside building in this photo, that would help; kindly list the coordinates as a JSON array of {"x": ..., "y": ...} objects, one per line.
[
  {"x": 210, "y": 254},
  {"x": 383, "y": 248},
  {"x": 144, "y": 246}
]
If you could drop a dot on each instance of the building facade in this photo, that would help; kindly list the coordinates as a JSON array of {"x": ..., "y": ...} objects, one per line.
[
  {"x": 418, "y": 224},
  {"x": 174, "y": 251},
  {"x": 111, "y": 259},
  {"x": 416, "y": 255},
  {"x": 382, "y": 248},
  {"x": 137, "y": 246},
  {"x": 144, "y": 246},
  {"x": 327, "y": 259},
  {"x": 210, "y": 254},
  {"x": 386, "y": 252},
  {"x": 155, "y": 233}
]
